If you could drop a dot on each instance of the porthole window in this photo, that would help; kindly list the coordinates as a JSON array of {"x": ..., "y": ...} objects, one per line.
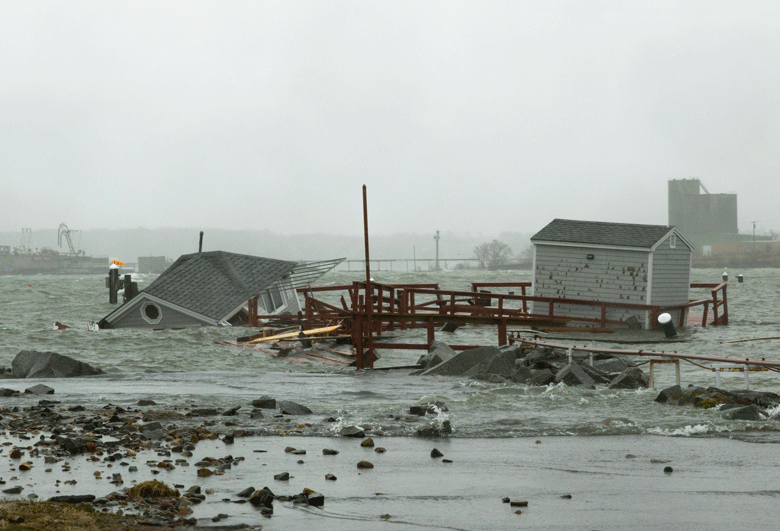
[{"x": 151, "y": 313}]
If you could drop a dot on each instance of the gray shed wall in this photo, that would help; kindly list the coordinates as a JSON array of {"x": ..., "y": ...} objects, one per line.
[
  {"x": 171, "y": 318},
  {"x": 613, "y": 275},
  {"x": 671, "y": 276}
]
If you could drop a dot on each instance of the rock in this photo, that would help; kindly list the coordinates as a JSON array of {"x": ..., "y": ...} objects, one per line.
[
  {"x": 246, "y": 493},
  {"x": 610, "y": 365},
  {"x": 501, "y": 364},
  {"x": 365, "y": 464},
  {"x": 573, "y": 374},
  {"x": 83, "y": 498},
  {"x": 436, "y": 453},
  {"x": 39, "y": 389},
  {"x": 367, "y": 443},
  {"x": 438, "y": 352},
  {"x": 435, "y": 429},
  {"x": 631, "y": 378},
  {"x": 264, "y": 402},
  {"x": 327, "y": 451},
  {"x": 751, "y": 412},
  {"x": 520, "y": 373},
  {"x": 203, "y": 412},
  {"x": 152, "y": 435},
  {"x": 34, "y": 364},
  {"x": 283, "y": 476},
  {"x": 316, "y": 499},
  {"x": 262, "y": 498},
  {"x": 450, "y": 327},
  {"x": 669, "y": 395},
  {"x": 541, "y": 377},
  {"x": 462, "y": 362},
  {"x": 8, "y": 392},
  {"x": 433, "y": 408},
  {"x": 710, "y": 397},
  {"x": 231, "y": 412},
  {"x": 599, "y": 376},
  {"x": 352, "y": 431},
  {"x": 291, "y": 408},
  {"x": 14, "y": 490},
  {"x": 668, "y": 470},
  {"x": 330, "y": 477}
]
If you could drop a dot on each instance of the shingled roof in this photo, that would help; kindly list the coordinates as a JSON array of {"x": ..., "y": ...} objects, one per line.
[
  {"x": 603, "y": 233},
  {"x": 215, "y": 283}
]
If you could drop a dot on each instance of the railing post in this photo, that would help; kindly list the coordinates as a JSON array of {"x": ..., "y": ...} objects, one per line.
[
  {"x": 502, "y": 332},
  {"x": 704, "y": 314},
  {"x": 525, "y": 302},
  {"x": 431, "y": 332},
  {"x": 715, "y": 307},
  {"x": 357, "y": 339}
]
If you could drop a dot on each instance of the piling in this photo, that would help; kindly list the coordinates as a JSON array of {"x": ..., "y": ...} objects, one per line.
[
  {"x": 667, "y": 325},
  {"x": 113, "y": 283}
]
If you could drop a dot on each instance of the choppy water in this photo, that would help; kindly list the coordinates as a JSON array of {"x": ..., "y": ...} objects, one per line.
[{"x": 188, "y": 367}]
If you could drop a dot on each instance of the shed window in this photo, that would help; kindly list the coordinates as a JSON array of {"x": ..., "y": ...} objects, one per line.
[
  {"x": 151, "y": 313},
  {"x": 673, "y": 241}
]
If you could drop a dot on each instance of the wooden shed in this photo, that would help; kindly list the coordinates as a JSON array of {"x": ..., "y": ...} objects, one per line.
[
  {"x": 214, "y": 288},
  {"x": 612, "y": 262}
]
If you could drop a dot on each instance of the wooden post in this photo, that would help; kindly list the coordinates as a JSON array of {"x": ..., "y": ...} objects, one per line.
[
  {"x": 502, "y": 332},
  {"x": 113, "y": 283},
  {"x": 252, "y": 311},
  {"x": 431, "y": 332}
]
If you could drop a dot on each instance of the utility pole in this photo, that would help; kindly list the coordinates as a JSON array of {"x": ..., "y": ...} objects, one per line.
[
  {"x": 437, "y": 249},
  {"x": 754, "y": 243}
]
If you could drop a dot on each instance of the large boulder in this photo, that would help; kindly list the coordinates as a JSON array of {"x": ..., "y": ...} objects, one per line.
[
  {"x": 573, "y": 374},
  {"x": 502, "y": 364},
  {"x": 631, "y": 378},
  {"x": 459, "y": 364},
  {"x": 438, "y": 352},
  {"x": 34, "y": 364},
  {"x": 751, "y": 412}
]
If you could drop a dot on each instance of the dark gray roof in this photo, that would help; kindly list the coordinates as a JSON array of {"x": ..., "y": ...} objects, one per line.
[
  {"x": 602, "y": 233},
  {"x": 216, "y": 283}
]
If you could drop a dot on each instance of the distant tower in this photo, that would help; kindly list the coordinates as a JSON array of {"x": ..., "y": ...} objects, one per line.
[{"x": 437, "y": 249}]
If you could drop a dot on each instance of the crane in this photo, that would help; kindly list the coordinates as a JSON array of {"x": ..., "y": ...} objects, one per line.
[{"x": 66, "y": 231}]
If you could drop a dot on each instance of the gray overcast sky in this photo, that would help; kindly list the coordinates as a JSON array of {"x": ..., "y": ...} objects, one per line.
[{"x": 458, "y": 116}]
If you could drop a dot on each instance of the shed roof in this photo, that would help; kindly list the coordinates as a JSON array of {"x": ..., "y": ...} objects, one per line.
[
  {"x": 604, "y": 233},
  {"x": 215, "y": 283}
]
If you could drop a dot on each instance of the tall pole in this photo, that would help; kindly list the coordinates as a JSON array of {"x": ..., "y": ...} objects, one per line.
[
  {"x": 754, "y": 245},
  {"x": 437, "y": 249},
  {"x": 369, "y": 302}
]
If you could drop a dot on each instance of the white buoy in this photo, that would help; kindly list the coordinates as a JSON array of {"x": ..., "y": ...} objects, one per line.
[{"x": 725, "y": 276}]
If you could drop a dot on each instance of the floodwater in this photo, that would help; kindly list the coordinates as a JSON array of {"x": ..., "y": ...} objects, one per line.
[{"x": 585, "y": 434}]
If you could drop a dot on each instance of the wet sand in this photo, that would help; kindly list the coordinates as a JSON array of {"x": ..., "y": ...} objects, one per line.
[{"x": 606, "y": 483}]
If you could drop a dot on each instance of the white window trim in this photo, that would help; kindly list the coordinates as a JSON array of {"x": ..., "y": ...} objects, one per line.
[{"x": 146, "y": 317}]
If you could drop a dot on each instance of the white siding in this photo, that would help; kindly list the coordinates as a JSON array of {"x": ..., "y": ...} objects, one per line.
[
  {"x": 170, "y": 319},
  {"x": 671, "y": 276},
  {"x": 613, "y": 275}
]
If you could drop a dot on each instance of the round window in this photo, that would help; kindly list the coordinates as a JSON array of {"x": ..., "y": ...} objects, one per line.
[{"x": 151, "y": 313}]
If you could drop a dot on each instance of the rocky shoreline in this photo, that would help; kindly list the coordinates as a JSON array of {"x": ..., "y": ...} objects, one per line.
[{"x": 52, "y": 433}]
